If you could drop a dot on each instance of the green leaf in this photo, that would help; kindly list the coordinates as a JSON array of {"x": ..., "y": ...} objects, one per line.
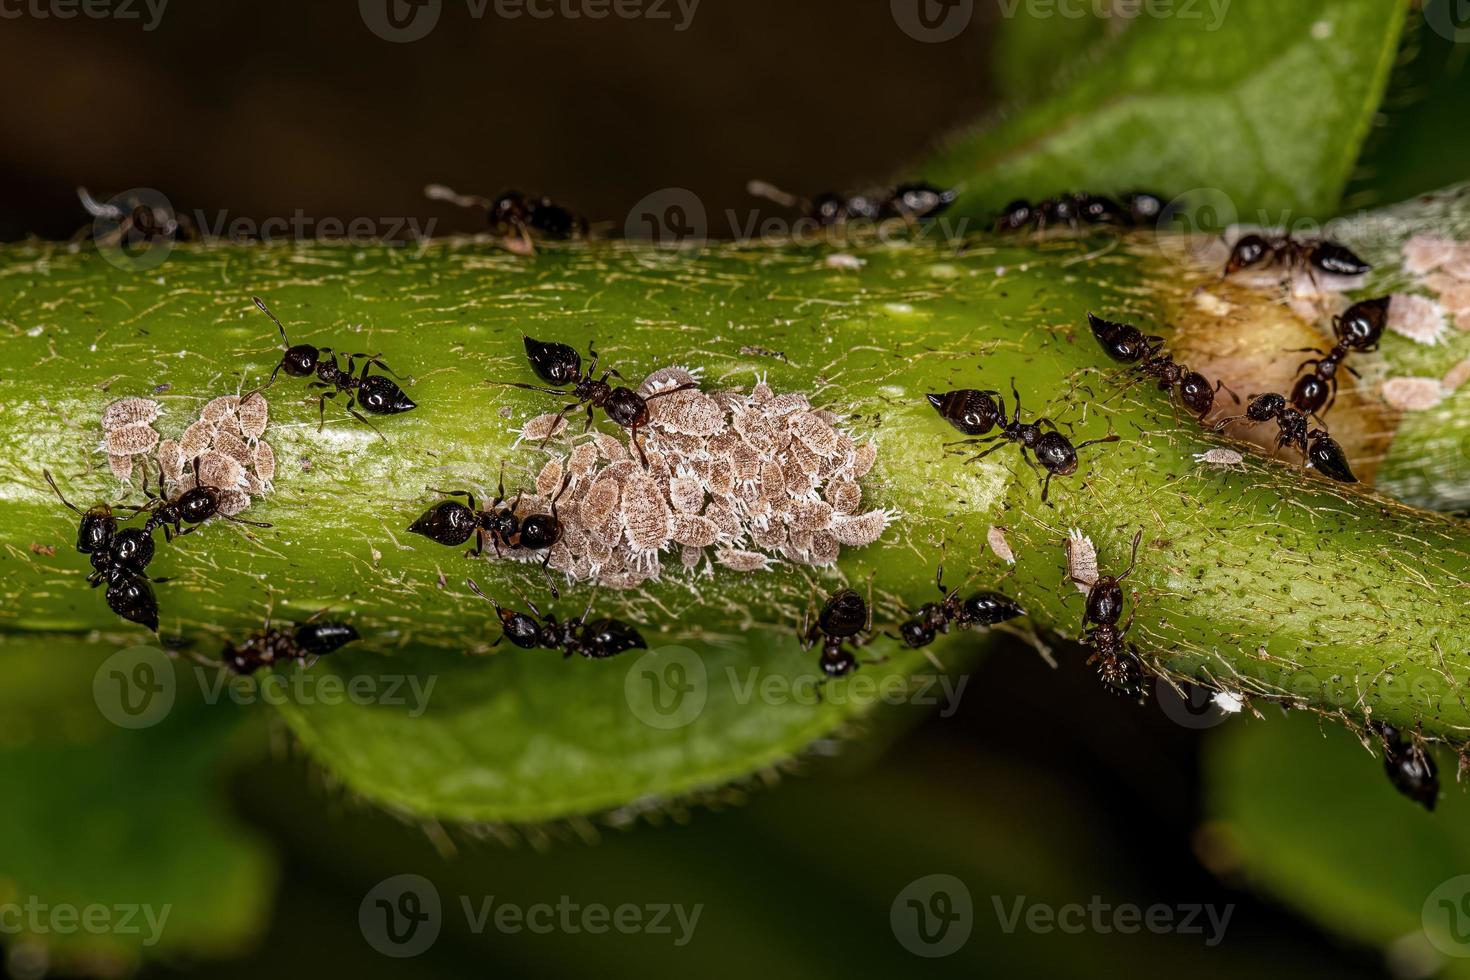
[
  {"x": 1307, "y": 814},
  {"x": 1266, "y": 102},
  {"x": 127, "y": 826}
]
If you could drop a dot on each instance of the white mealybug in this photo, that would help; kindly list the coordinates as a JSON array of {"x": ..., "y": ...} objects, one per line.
[
  {"x": 130, "y": 440},
  {"x": 1221, "y": 459},
  {"x": 996, "y": 538},
  {"x": 130, "y": 411},
  {"x": 1081, "y": 560}
]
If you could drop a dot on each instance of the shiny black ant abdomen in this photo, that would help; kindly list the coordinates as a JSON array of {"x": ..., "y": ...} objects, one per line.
[
  {"x": 1409, "y": 767},
  {"x": 845, "y": 618},
  {"x": 596, "y": 640},
  {"x": 374, "y": 393},
  {"x": 933, "y": 618}
]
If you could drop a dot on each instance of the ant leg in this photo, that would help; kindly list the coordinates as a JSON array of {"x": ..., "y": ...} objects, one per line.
[
  {"x": 371, "y": 360},
  {"x": 672, "y": 391},
  {"x": 521, "y": 384},
  {"x": 357, "y": 415},
  {"x": 470, "y": 497},
  {"x": 1221, "y": 385},
  {"x": 1017, "y": 395},
  {"x": 238, "y": 520},
  {"x": 939, "y": 579},
  {"x": 321, "y": 412},
  {"x": 979, "y": 456},
  {"x": 550, "y": 582},
  {"x": 1046, "y": 486},
  {"x": 633, "y": 438}
]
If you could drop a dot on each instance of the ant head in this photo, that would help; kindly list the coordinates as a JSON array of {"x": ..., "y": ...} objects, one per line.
[
  {"x": 915, "y": 633},
  {"x": 1015, "y": 216},
  {"x": 1265, "y": 407},
  {"x": 1055, "y": 452},
  {"x": 540, "y": 531},
  {"x": 198, "y": 504},
  {"x": 844, "y": 614},
  {"x": 1196, "y": 392},
  {"x": 828, "y": 208},
  {"x": 921, "y": 200},
  {"x": 1144, "y": 208},
  {"x": 1249, "y": 250},
  {"x": 837, "y": 662}
]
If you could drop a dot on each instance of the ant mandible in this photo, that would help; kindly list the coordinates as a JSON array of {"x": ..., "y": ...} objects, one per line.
[
  {"x": 597, "y": 640},
  {"x": 980, "y": 609},
  {"x": 1053, "y": 450},
  {"x": 560, "y": 365},
  {"x": 373, "y": 393},
  {"x": 1359, "y": 328},
  {"x": 1118, "y": 666}
]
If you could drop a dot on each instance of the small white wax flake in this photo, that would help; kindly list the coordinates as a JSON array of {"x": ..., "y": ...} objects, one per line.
[
  {"x": 1220, "y": 459},
  {"x": 1412, "y": 394},
  {"x": 1321, "y": 30},
  {"x": 1228, "y": 702},
  {"x": 899, "y": 309},
  {"x": 841, "y": 260},
  {"x": 1212, "y": 304},
  {"x": 1417, "y": 317},
  {"x": 996, "y": 538},
  {"x": 1081, "y": 560},
  {"x": 1425, "y": 253}
]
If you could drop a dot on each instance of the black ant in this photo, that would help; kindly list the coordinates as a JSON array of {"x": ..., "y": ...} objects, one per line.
[
  {"x": 845, "y": 616},
  {"x": 375, "y": 393},
  {"x": 193, "y": 507},
  {"x": 910, "y": 202},
  {"x": 1317, "y": 255},
  {"x": 1126, "y": 344},
  {"x": 1359, "y": 328},
  {"x": 119, "y": 557},
  {"x": 301, "y": 642},
  {"x": 1320, "y": 451},
  {"x": 453, "y": 523},
  {"x": 1118, "y": 666},
  {"x": 517, "y": 214},
  {"x": 597, "y": 640},
  {"x": 560, "y": 365},
  {"x": 981, "y": 609},
  {"x": 1073, "y": 210},
  {"x": 1411, "y": 769},
  {"x": 1053, "y": 450}
]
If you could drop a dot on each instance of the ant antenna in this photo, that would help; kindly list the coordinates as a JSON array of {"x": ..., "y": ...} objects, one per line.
[
  {"x": 279, "y": 326},
  {"x": 54, "y": 487},
  {"x": 1134, "y": 559},
  {"x": 439, "y": 192},
  {"x": 476, "y": 590}
]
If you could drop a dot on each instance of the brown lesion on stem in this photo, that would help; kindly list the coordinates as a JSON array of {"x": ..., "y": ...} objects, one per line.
[{"x": 1248, "y": 336}]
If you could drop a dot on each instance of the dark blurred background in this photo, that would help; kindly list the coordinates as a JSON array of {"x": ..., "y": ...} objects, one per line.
[
  {"x": 259, "y": 109},
  {"x": 1039, "y": 783}
]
